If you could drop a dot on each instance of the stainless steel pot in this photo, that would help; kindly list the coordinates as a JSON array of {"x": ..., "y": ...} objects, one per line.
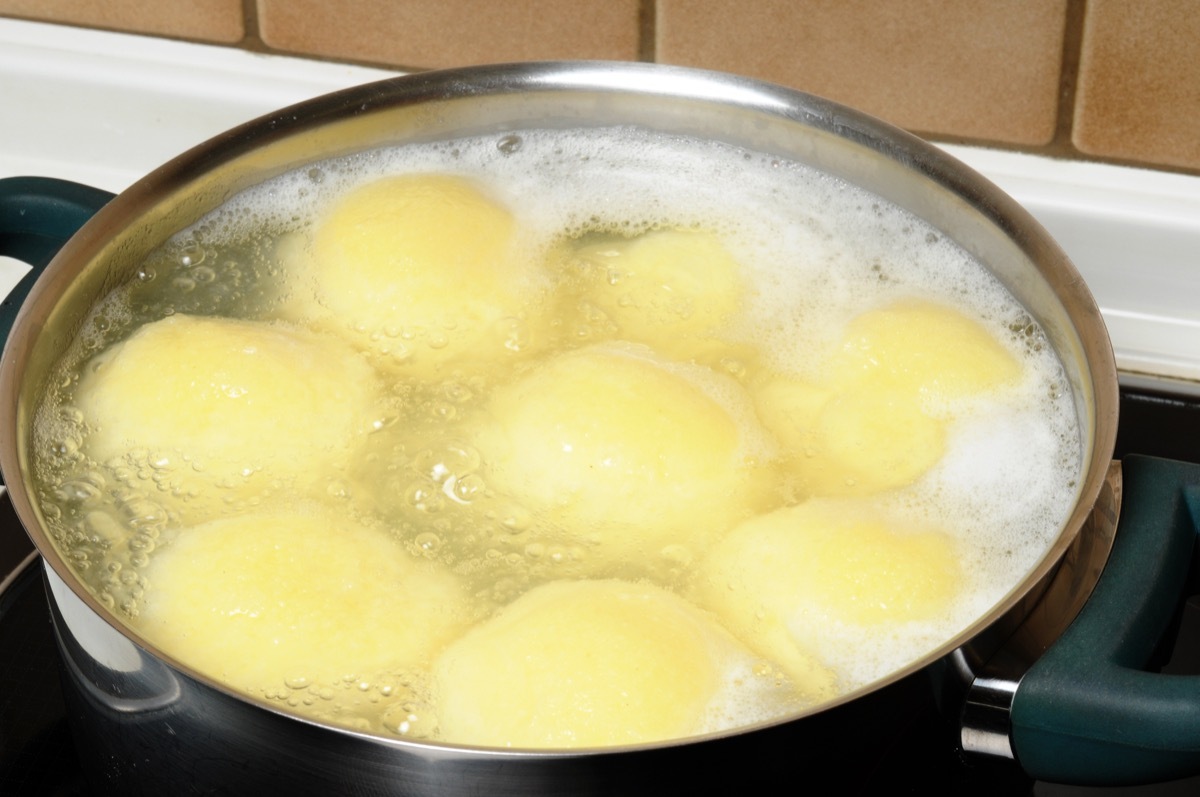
[{"x": 147, "y": 723}]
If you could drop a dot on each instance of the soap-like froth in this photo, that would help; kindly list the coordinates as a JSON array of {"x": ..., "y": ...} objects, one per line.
[
  {"x": 597, "y": 663},
  {"x": 423, "y": 270},
  {"x": 617, "y": 453},
  {"x": 222, "y": 410},
  {"x": 261, "y": 599}
]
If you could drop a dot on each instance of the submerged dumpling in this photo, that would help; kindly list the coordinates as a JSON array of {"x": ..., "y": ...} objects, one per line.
[
  {"x": 669, "y": 289},
  {"x": 877, "y": 417},
  {"x": 621, "y": 454},
  {"x": 925, "y": 348},
  {"x": 850, "y": 443},
  {"x": 596, "y": 663},
  {"x": 423, "y": 270},
  {"x": 219, "y": 409},
  {"x": 785, "y": 577},
  {"x": 258, "y": 600}
]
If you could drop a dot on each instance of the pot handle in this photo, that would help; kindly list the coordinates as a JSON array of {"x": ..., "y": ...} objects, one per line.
[
  {"x": 37, "y": 216},
  {"x": 1088, "y": 712}
]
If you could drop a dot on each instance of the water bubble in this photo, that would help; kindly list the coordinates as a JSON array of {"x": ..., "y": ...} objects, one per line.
[
  {"x": 141, "y": 542},
  {"x": 316, "y": 175},
  {"x": 515, "y": 519},
  {"x": 204, "y": 274},
  {"x": 103, "y": 528},
  {"x": 509, "y": 145},
  {"x": 67, "y": 447},
  {"x": 443, "y": 410},
  {"x": 70, "y": 414},
  {"x": 425, "y": 498},
  {"x": 77, "y": 491},
  {"x": 146, "y": 274},
  {"x": 192, "y": 254},
  {"x": 516, "y": 334},
  {"x": 468, "y": 488},
  {"x": 457, "y": 392},
  {"x": 428, "y": 542}
]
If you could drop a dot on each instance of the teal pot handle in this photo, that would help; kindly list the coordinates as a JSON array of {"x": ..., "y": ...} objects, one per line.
[
  {"x": 1089, "y": 711},
  {"x": 37, "y": 216}
]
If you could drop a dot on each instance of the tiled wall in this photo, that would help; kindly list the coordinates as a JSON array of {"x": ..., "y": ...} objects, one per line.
[{"x": 1112, "y": 80}]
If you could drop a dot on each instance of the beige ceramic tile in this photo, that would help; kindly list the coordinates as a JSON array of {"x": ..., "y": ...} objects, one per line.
[
  {"x": 207, "y": 20},
  {"x": 986, "y": 70},
  {"x": 1138, "y": 94},
  {"x": 440, "y": 33}
]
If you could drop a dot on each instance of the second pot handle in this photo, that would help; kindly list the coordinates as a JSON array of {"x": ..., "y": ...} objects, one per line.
[
  {"x": 37, "y": 216},
  {"x": 1087, "y": 712}
]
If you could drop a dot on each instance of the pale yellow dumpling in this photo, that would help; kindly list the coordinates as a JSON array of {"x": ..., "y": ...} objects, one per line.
[
  {"x": 425, "y": 271},
  {"x": 927, "y": 348},
  {"x": 595, "y": 663},
  {"x": 223, "y": 408},
  {"x": 783, "y": 577},
  {"x": 307, "y": 598},
  {"x": 620, "y": 454},
  {"x": 669, "y": 289},
  {"x": 851, "y": 443}
]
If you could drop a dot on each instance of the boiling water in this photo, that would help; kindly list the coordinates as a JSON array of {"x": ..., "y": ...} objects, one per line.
[{"x": 813, "y": 253}]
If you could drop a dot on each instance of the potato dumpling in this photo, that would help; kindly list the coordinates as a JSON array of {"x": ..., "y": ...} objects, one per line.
[
  {"x": 852, "y": 443},
  {"x": 924, "y": 347},
  {"x": 255, "y": 600},
  {"x": 220, "y": 403},
  {"x": 621, "y": 454},
  {"x": 669, "y": 289},
  {"x": 595, "y": 663},
  {"x": 781, "y": 578},
  {"x": 423, "y": 270}
]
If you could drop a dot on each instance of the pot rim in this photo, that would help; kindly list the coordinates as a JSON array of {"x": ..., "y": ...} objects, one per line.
[{"x": 602, "y": 81}]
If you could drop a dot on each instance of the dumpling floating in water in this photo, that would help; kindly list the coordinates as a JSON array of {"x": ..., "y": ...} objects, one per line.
[
  {"x": 849, "y": 443},
  {"x": 785, "y": 578},
  {"x": 598, "y": 663},
  {"x": 616, "y": 452},
  {"x": 424, "y": 271},
  {"x": 923, "y": 348},
  {"x": 672, "y": 290},
  {"x": 879, "y": 415},
  {"x": 258, "y": 600},
  {"x": 221, "y": 411}
]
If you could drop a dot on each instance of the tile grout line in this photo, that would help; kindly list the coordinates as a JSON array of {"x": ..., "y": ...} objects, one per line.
[
  {"x": 1069, "y": 79},
  {"x": 648, "y": 30}
]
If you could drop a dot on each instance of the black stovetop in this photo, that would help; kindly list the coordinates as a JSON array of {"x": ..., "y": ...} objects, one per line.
[{"x": 37, "y": 755}]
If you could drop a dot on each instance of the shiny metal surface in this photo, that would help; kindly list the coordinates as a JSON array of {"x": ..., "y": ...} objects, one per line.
[
  {"x": 991, "y": 683},
  {"x": 254, "y": 737}
]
